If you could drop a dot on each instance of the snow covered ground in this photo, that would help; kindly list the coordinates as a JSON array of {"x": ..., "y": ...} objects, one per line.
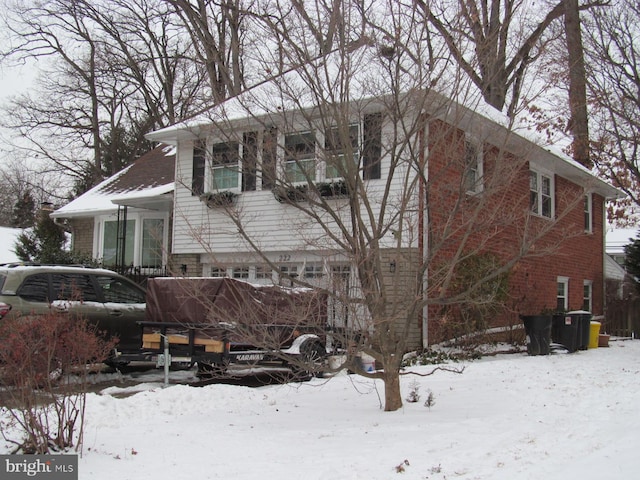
[{"x": 506, "y": 417}]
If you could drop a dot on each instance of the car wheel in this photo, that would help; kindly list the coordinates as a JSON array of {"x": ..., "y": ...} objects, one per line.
[{"x": 310, "y": 362}]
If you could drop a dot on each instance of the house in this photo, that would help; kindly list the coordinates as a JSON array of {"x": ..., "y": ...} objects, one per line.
[
  {"x": 124, "y": 221},
  {"x": 431, "y": 191},
  {"x": 271, "y": 185},
  {"x": 622, "y": 299}
]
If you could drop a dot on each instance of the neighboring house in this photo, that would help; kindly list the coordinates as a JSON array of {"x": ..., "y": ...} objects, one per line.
[
  {"x": 617, "y": 239},
  {"x": 622, "y": 300},
  {"x": 124, "y": 222},
  {"x": 248, "y": 154}
]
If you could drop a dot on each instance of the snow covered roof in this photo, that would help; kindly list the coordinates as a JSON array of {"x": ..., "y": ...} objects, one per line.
[
  {"x": 8, "y": 237},
  {"x": 359, "y": 77},
  {"x": 147, "y": 183}
]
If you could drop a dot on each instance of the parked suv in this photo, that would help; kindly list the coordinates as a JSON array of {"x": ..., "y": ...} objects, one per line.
[{"x": 102, "y": 297}]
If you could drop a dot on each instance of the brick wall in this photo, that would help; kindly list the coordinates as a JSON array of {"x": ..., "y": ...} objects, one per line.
[{"x": 499, "y": 221}]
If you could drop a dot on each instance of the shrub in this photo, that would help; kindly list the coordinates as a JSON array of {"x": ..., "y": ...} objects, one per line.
[{"x": 43, "y": 367}]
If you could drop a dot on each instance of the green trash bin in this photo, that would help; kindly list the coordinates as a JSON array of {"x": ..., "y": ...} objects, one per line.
[
  {"x": 584, "y": 327},
  {"x": 538, "y": 330}
]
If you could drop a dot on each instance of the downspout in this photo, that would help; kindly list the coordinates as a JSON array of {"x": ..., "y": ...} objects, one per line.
[{"x": 423, "y": 228}]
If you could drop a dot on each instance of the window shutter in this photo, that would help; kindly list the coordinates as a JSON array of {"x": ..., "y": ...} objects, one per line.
[
  {"x": 249, "y": 160},
  {"x": 199, "y": 163},
  {"x": 372, "y": 146},
  {"x": 269, "y": 152}
]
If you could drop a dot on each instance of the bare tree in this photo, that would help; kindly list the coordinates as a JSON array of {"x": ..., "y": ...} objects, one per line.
[
  {"x": 217, "y": 31},
  {"x": 397, "y": 240},
  {"x": 613, "y": 53},
  {"x": 110, "y": 73}
]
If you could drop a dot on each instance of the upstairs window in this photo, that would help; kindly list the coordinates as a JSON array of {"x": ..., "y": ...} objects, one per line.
[
  {"x": 541, "y": 194},
  {"x": 588, "y": 213},
  {"x": 472, "y": 166},
  {"x": 341, "y": 146},
  {"x": 224, "y": 166},
  {"x": 300, "y": 157}
]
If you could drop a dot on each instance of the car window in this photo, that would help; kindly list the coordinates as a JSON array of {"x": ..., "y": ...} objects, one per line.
[
  {"x": 73, "y": 286},
  {"x": 116, "y": 290},
  {"x": 3, "y": 277},
  {"x": 35, "y": 288}
]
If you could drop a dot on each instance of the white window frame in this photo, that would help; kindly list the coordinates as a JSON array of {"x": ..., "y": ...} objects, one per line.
[
  {"x": 217, "y": 272},
  {"x": 564, "y": 281},
  {"x": 138, "y": 219},
  {"x": 240, "y": 273},
  {"x": 473, "y": 175},
  {"x": 537, "y": 189},
  {"x": 224, "y": 166},
  {"x": 296, "y": 162},
  {"x": 588, "y": 213},
  {"x": 587, "y": 299},
  {"x": 313, "y": 270}
]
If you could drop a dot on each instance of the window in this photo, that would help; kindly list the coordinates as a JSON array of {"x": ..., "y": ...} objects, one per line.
[
  {"x": 199, "y": 162},
  {"x": 139, "y": 242},
  {"x": 263, "y": 272},
  {"x": 472, "y": 167},
  {"x": 288, "y": 272},
  {"x": 562, "y": 304},
  {"x": 70, "y": 286},
  {"x": 218, "y": 272},
  {"x": 152, "y": 240},
  {"x": 35, "y": 288},
  {"x": 300, "y": 157},
  {"x": 224, "y": 166},
  {"x": 588, "y": 215},
  {"x": 587, "y": 302},
  {"x": 341, "y": 145},
  {"x": 118, "y": 291},
  {"x": 541, "y": 194},
  {"x": 241, "y": 272},
  {"x": 313, "y": 271},
  {"x": 112, "y": 244}
]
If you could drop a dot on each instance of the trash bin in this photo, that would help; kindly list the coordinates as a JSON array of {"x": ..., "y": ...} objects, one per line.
[
  {"x": 538, "y": 330},
  {"x": 584, "y": 326},
  {"x": 565, "y": 331},
  {"x": 594, "y": 334}
]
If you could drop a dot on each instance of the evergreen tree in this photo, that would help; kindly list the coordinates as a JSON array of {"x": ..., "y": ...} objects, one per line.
[
  {"x": 23, "y": 215},
  {"x": 43, "y": 244},
  {"x": 632, "y": 260}
]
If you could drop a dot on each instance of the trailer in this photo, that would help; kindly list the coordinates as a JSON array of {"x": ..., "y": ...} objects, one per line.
[{"x": 219, "y": 323}]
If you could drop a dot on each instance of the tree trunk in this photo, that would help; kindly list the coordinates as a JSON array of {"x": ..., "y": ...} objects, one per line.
[
  {"x": 578, "y": 124},
  {"x": 392, "y": 396}
]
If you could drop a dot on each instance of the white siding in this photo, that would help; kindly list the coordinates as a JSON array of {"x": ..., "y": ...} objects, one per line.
[{"x": 274, "y": 226}]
